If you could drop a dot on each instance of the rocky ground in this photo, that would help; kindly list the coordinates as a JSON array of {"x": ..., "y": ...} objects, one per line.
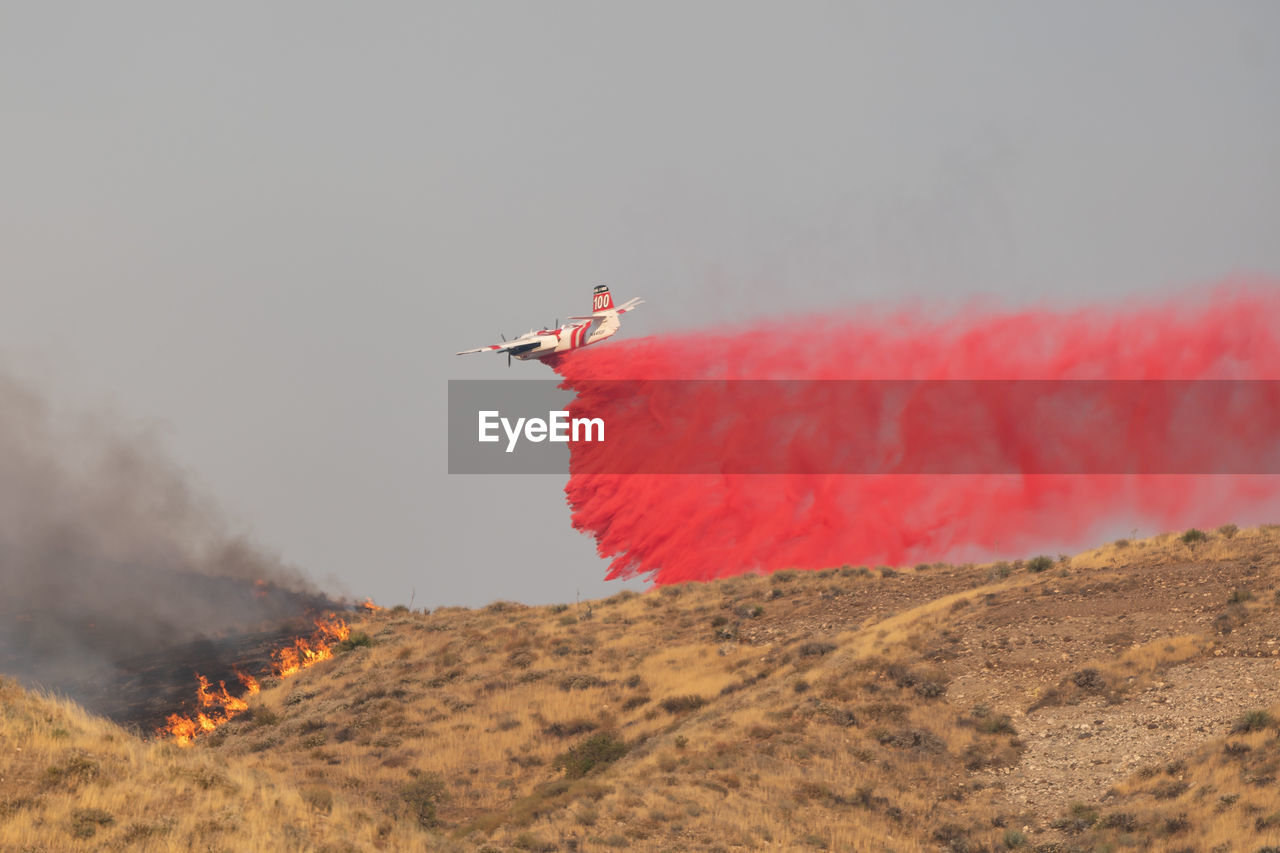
[{"x": 1076, "y": 753}]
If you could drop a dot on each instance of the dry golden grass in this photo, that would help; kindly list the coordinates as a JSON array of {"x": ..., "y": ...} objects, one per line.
[
  {"x": 1165, "y": 547},
  {"x": 800, "y": 711},
  {"x": 71, "y": 781},
  {"x": 1137, "y": 668},
  {"x": 1215, "y": 798}
]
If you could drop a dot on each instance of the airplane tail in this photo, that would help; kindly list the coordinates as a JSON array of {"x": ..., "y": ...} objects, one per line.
[
  {"x": 601, "y": 299},
  {"x": 604, "y": 309}
]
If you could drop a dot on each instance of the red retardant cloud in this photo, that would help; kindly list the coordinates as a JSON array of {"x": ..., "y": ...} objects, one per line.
[{"x": 679, "y": 527}]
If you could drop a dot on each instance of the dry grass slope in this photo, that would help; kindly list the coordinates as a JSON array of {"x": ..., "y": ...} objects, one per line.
[{"x": 1123, "y": 698}]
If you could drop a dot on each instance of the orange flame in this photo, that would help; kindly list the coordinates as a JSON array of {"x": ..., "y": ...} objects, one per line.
[
  {"x": 368, "y": 604},
  {"x": 251, "y": 685},
  {"x": 219, "y": 706},
  {"x": 334, "y": 629}
]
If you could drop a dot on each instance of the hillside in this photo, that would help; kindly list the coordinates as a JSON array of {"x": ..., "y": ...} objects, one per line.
[{"x": 1125, "y": 697}]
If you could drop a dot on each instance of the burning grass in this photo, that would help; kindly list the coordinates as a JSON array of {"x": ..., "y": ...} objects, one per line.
[{"x": 216, "y": 708}]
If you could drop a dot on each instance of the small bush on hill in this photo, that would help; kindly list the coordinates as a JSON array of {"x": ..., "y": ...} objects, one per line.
[
  {"x": 85, "y": 822},
  {"x": 354, "y": 640},
  {"x": 1253, "y": 721},
  {"x": 1089, "y": 679},
  {"x": 502, "y": 606},
  {"x": 680, "y": 704},
  {"x": 920, "y": 740},
  {"x": 569, "y": 728},
  {"x": 264, "y": 716},
  {"x": 598, "y": 750},
  {"x": 1077, "y": 819},
  {"x": 584, "y": 681},
  {"x": 75, "y": 770},
  {"x": 996, "y": 724},
  {"x": 522, "y": 658},
  {"x": 1122, "y": 821},
  {"x": 1193, "y": 536},
  {"x": 930, "y": 689},
  {"x": 1223, "y": 624},
  {"x": 1169, "y": 789},
  {"x": 1040, "y": 564},
  {"x": 422, "y": 795}
]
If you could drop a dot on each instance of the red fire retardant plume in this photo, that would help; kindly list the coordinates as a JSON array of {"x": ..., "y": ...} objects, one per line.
[{"x": 680, "y": 527}]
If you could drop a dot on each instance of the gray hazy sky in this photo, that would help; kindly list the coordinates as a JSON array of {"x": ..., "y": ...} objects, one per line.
[{"x": 263, "y": 229}]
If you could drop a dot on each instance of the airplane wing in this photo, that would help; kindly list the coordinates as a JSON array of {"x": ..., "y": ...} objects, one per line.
[{"x": 512, "y": 347}]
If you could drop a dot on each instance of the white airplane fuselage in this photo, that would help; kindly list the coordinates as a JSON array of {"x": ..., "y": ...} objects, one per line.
[
  {"x": 590, "y": 329},
  {"x": 570, "y": 336}
]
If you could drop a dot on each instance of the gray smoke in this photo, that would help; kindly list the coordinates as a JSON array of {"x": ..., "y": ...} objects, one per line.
[{"x": 109, "y": 557}]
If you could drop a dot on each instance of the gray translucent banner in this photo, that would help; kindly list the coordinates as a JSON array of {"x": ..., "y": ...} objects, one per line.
[
  {"x": 515, "y": 400},
  {"x": 920, "y": 427}
]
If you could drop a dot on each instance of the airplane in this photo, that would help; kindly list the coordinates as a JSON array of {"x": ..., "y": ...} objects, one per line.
[{"x": 602, "y": 323}]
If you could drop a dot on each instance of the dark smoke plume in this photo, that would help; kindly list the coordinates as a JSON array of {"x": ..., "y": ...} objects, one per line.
[
  {"x": 109, "y": 559},
  {"x": 677, "y": 527}
]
